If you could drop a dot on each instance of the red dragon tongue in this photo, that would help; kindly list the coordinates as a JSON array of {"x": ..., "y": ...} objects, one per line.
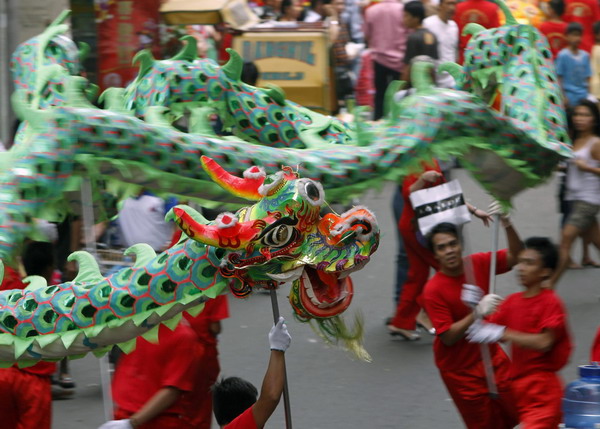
[{"x": 332, "y": 286}]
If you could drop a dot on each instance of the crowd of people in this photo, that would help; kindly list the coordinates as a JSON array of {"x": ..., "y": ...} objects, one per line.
[{"x": 175, "y": 383}]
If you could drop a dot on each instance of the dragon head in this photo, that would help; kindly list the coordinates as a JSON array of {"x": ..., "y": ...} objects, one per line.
[{"x": 283, "y": 238}]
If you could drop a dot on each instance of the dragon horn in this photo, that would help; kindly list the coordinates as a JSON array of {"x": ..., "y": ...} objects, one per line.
[
  {"x": 225, "y": 232},
  {"x": 246, "y": 187}
]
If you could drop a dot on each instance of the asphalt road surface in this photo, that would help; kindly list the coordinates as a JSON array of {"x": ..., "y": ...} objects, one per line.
[{"x": 401, "y": 388}]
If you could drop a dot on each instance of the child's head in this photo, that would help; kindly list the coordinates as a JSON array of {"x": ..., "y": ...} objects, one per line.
[
  {"x": 596, "y": 28},
  {"x": 574, "y": 34},
  {"x": 231, "y": 397},
  {"x": 250, "y": 73},
  {"x": 38, "y": 259},
  {"x": 537, "y": 261},
  {"x": 414, "y": 14},
  {"x": 555, "y": 9}
]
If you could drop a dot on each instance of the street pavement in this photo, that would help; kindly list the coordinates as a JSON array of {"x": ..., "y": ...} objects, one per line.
[{"x": 401, "y": 388}]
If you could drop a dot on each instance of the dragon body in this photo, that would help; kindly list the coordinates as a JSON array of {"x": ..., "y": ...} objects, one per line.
[{"x": 506, "y": 124}]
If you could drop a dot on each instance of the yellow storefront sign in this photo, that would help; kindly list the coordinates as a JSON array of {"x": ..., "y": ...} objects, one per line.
[{"x": 296, "y": 61}]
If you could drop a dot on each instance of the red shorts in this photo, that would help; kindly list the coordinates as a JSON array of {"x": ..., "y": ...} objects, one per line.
[
  {"x": 539, "y": 397},
  {"x": 25, "y": 400}
]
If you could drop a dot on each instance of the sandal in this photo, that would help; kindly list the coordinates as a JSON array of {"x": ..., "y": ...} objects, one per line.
[
  {"x": 590, "y": 263},
  {"x": 66, "y": 382},
  {"x": 403, "y": 333}
]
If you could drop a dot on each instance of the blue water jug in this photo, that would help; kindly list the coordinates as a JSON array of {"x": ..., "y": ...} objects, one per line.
[{"x": 581, "y": 404}]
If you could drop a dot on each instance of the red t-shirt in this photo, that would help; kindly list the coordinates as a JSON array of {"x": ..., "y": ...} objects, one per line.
[
  {"x": 150, "y": 367},
  {"x": 555, "y": 33},
  {"x": 586, "y": 12},
  {"x": 12, "y": 280},
  {"x": 243, "y": 421},
  {"x": 482, "y": 12},
  {"x": 533, "y": 315},
  {"x": 444, "y": 307},
  {"x": 214, "y": 310},
  {"x": 595, "y": 357}
]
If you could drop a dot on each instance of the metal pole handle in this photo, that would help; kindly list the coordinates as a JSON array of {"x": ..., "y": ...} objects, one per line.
[{"x": 286, "y": 393}]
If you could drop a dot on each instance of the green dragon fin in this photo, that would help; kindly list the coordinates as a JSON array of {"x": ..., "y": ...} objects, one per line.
[
  {"x": 276, "y": 93},
  {"x": 84, "y": 51},
  {"x": 510, "y": 19},
  {"x": 89, "y": 271},
  {"x": 390, "y": 108},
  {"x": 472, "y": 29},
  {"x": 199, "y": 123},
  {"x": 35, "y": 282},
  {"x": 190, "y": 212},
  {"x": 233, "y": 67},
  {"x": 157, "y": 115},
  {"x": 420, "y": 75},
  {"x": 143, "y": 252},
  {"x": 146, "y": 60},
  {"x": 189, "y": 52}
]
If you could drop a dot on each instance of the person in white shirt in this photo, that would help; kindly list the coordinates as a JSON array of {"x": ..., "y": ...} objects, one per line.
[{"x": 446, "y": 33}]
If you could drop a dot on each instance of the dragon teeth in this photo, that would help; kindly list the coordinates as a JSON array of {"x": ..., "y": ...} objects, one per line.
[{"x": 287, "y": 276}]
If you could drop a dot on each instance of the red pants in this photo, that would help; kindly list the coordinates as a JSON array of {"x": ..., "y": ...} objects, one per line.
[
  {"x": 162, "y": 421},
  {"x": 25, "y": 400},
  {"x": 419, "y": 261},
  {"x": 595, "y": 355},
  {"x": 200, "y": 399},
  {"x": 539, "y": 398},
  {"x": 470, "y": 395}
]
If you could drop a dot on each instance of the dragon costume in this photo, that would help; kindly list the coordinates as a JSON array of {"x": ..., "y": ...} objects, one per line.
[{"x": 505, "y": 121}]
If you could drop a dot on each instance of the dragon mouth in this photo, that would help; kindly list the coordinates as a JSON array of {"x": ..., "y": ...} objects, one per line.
[{"x": 324, "y": 295}]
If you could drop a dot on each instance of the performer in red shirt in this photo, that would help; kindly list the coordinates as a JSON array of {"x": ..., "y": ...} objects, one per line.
[
  {"x": 595, "y": 355},
  {"x": 206, "y": 325},
  {"x": 586, "y": 12},
  {"x": 26, "y": 393},
  {"x": 482, "y": 12},
  {"x": 150, "y": 383},
  {"x": 234, "y": 399},
  {"x": 554, "y": 28},
  {"x": 535, "y": 322},
  {"x": 459, "y": 362}
]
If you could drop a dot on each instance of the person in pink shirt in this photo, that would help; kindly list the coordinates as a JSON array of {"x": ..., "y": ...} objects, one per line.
[{"x": 386, "y": 36}]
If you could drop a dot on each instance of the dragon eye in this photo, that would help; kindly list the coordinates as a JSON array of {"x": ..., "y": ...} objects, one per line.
[
  {"x": 311, "y": 191},
  {"x": 279, "y": 236}
]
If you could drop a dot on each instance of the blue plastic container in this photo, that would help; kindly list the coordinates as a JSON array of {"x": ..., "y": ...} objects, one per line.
[{"x": 581, "y": 404}]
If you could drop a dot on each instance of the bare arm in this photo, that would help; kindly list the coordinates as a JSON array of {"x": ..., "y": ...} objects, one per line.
[
  {"x": 457, "y": 330},
  {"x": 541, "y": 342},
  {"x": 161, "y": 400},
  {"x": 425, "y": 178},
  {"x": 271, "y": 390}
]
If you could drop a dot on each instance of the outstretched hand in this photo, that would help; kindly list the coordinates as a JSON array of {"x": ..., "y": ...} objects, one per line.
[
  {"x": 488, "y": 305},
  {"x": 279, "y": 337},
  {"x": 485, "y": 333},
  {"x": 471, "y": 295}
]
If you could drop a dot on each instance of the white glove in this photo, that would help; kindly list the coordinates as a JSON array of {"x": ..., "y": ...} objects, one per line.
[
  {"x": 488, "y": 305},
  {"x": 279, "y": 337},
  {"x": 117, "y": 424},
  {"x": 471, "y": 295},
  {"x": 485, "y": 333}
]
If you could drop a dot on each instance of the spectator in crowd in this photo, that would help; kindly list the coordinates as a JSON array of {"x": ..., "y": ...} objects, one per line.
[
  {"x": 386, "y": 36},
  {"x": 573, "y": 66},
  {"x": 420, "y": 41},
  {"x": 207, "y": 326},
  {"x": 150, "y": 384},
  {"x": 269, "y": 10},
  {"x": 142, "y": 220},
  {"x": 595, "y": 62},
  {"x": 26, "y": 393},
  {"x": 583, "y": 182},
  {"x": 595, "y": 353},
  {"x": 482, "y": 12},
  {"x": 352, "y": 16},
  {"x": 554, "y": 28},
  {"x": 291, "y": 11},
  {"x": 535, "y": 323},
  {"x": 446, "y": 34},
  {"x": 235, "y": 403},
  {"x": 584, "y": 12},
  {"x": 453, "y": 301},
  {"x": 342, "y": 64},
  {"x": 316, "y": 12}
]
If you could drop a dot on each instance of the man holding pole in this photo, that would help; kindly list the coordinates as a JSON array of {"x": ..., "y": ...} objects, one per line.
[
  {"x": 453, "y": 301},
  {"x": 234, "y": 399}
]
